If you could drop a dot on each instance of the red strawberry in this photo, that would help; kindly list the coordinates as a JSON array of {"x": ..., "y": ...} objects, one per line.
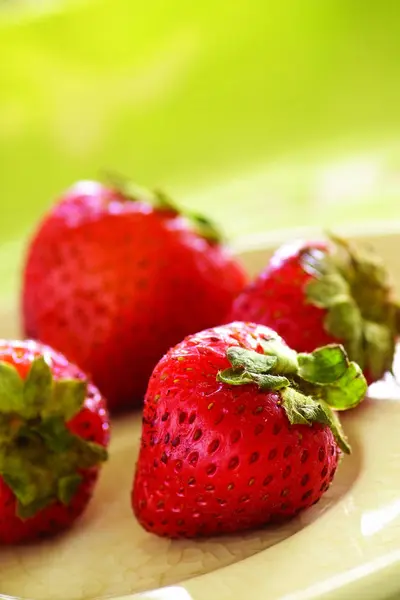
[
  {"x": 53, "y": 435},
  {"x": 237, "y": 432},
  {"x": 113, "y": 281},
  {"x": 315, "y": 293}
]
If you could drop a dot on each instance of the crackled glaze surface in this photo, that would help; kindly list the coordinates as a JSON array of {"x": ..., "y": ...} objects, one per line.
[
  {"x": 347, "y": 546},
  {"x": 109, "y": 553}
]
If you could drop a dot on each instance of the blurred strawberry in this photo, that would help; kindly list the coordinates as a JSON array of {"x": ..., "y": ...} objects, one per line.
[
  {"x": 114, "y": 278},
  {"x": 54, "y": 431},
  {"x": 314, "y": 293}
]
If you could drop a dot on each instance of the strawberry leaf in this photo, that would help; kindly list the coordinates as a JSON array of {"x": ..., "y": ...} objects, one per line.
[
  {"x": 344, "y": 321},
  {"x": 273, "y": 382},
  {"x": 242, "y": 377},
  {"x": 286, "y": 358},
  {"x": 54, "y": 433},
  {"x": 86, "y": 455},
  {"x": 324, "y": 365},
  {"x": 164, "y": 202},
  {"x": 367, "y": 264},
  {"x": 300, "y": 409},
  {"x": 44, "y": 396},
  {"x": 67, "y": 487},
  {"x": 11, "y": 390},
  {"x": 326, "y": 291},
  {"x": 235, "y": 377},
  {"x": 378, "y": 337},
  {"x": 249, "y": 366},
  {"x": 305, "y": 410},
  {"x": 204, "y": 227},
  {"x": 250, "y": 361},
  {"x": 345, "y": 392},
  {"x": 21, "y": 470},
  {"x": 328, "y": 417},
  {"x": 37, "y": 388},
  {"x": 68, "y": 397}
]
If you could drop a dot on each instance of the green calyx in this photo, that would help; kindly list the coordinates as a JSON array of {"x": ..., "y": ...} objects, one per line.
[
  {"x": 203, "y": 226},
  {"x": 40, "y": 459},
  {"x": 354, "y": 287},
  {"x": 311, "y": 386},
  {"x": 158, "y": 199}
]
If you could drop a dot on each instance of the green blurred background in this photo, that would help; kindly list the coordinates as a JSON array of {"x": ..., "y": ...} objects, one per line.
[{"x": 264, "y": 114}]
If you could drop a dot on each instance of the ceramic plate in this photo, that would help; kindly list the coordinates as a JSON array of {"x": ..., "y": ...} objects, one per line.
[{"x": 347, "y": 546}]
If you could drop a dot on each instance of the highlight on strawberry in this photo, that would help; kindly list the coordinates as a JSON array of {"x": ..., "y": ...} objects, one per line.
[
  {"x": 115, "y": 275},
  {"x": 54, "y": 433},
  {"x": 239, "y": 430},
  {"x": 319, "y": 292}
]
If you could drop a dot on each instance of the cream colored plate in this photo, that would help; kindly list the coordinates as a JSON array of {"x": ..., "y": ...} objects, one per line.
[{"x": 347, "y": 546}]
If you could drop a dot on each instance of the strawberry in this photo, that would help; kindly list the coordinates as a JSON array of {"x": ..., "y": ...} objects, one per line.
[
  {"x": 53, "y": 435},
  {"x": 113, "y": 279},
  {"x": 319, "y": 292},
  {"x": 238, "y": 430}
]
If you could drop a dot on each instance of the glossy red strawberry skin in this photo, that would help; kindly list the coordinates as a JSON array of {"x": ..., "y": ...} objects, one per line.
[
  {"x": 277, "y": 299},
  {"x": 113, "y": 284},
  {"x": 216, "y": 458},
  {"x": 91, "y": 423}
]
